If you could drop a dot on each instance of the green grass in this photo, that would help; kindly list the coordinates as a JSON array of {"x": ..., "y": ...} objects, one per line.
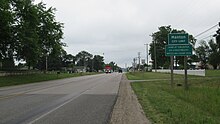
[
  {"x": 25, "y": 79},
  {"x": 198, "y": 105},
  {"x": 212, "y": 73},
  {"x": 151, "y": 75}
]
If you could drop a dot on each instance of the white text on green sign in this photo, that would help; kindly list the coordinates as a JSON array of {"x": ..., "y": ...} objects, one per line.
[
  {"x": 178, "y": 50},
  {"x": 177, "y": 38}
]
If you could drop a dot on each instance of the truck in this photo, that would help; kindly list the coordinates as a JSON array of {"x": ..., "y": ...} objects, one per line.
[{"x": 108, "y": 69}]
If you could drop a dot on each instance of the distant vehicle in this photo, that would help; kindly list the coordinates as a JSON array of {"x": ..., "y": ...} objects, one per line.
[
  {"x": 119, "y": 70},
  {"x": 108, "y": 69}
]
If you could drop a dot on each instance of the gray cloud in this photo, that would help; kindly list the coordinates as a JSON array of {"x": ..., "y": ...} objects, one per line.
[{"x": 120, "y": 28}]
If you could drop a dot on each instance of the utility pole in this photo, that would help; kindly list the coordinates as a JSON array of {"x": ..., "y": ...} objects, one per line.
[
  {"x": 146, "y": 55},
  {"x": 92, "y": 64},
  {"x": 155, "y": 57},
  {"x": 134, "y": 64},
  {"x": 0, "y": 65},
  {"x": 139, "y": 60},
  {"x": 46, "y": 64}
]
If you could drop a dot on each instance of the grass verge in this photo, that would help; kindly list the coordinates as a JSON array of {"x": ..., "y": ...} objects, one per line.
[
  {"x": 199, "y": 104},
  {"x": 25, "y": 79}
]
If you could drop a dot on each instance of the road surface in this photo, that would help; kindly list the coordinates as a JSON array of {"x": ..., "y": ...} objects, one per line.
[{"x": 81, "y": 100}]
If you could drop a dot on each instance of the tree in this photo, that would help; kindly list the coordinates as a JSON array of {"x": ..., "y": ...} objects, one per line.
[
  {"x": 203, "y": 52},
  {"x": 68, "y": 60},
  {"x": 7, "y": 46},
  {"x": 159, "y": 42},
  {"x": 214, "y": 54},
  {"x": 27, "y": 27},
  {"x": 98, "y": 63},
  {"x": 82, "y": 58},
  {"x": 217, "y": 36},
  {"x": 113, "y": 65},
  {"x": 29, "y": 32},
  {"x": 192, "y": 59},
  {"x": 50, "y": 32}
]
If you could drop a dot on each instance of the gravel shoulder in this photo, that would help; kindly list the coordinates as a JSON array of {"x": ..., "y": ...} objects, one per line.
[{"x": 127, "y": 109}]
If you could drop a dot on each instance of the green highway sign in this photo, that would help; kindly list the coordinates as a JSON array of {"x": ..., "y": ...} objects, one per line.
[
  {"x": 178, "y": 50},
  {"x": 177, "y": 38}
]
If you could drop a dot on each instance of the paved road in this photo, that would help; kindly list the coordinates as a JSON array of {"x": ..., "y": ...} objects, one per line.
[{"x": 81, "y": 100}]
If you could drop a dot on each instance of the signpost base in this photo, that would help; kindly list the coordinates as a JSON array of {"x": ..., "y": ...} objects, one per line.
[
  {"x": 178, "y": 45},
  {"x": 171, "y": 68},
  {"x": 185, "y": 69}
]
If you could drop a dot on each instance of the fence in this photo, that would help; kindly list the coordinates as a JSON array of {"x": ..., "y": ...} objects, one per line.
[
  {"x": 13, "y": 73},
  {"x": 200, "y": 72}
]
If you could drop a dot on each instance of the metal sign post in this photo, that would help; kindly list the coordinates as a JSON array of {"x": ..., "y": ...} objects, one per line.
[
  {"x": 178, "y": 45},
  {"x": 171, "y": 67},
  {"x": 185, "y": 69}
]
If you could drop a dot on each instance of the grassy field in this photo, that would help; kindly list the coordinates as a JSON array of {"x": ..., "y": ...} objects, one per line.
[
  {"x": 162, "y": 104},
  {"x": 25, "y": 79}
]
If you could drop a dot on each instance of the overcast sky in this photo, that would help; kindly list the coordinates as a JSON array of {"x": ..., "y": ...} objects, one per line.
[{"x": 120, "y": 28}]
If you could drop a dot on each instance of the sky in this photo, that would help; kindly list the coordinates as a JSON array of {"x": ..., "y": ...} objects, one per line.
[{"x": 118, "y": 29}]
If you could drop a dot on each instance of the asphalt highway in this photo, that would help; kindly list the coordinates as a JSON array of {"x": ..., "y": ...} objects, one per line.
[{"x": 79, "y": 100}]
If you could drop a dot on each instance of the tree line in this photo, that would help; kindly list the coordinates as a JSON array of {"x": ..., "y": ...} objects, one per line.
[
  {"x": 205, "y": 53},
  {"x": 29, "y": 32},
  {"x": 90, "y": 62}
]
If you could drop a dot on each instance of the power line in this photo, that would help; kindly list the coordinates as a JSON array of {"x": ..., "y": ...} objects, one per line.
[
  {"x": 206, "y": 30},
  {"x": 211, "y": 35},
  {"x": 207, "y": 37}
]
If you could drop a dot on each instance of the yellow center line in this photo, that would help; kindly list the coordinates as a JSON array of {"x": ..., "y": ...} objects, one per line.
[
  {"x": 28, "y": 91},
  {"x": 16, "y": 94}
]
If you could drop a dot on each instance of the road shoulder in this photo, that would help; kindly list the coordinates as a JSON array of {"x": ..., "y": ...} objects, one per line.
[{"x": 127, "y": 109}]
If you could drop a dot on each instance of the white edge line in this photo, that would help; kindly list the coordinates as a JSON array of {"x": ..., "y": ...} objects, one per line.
[{"x": 51, "y": 111}]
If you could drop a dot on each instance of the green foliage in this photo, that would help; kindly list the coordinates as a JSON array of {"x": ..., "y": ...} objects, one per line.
[
  {"x": 91, "y": 63},
  {"x": 214, "y": 55},
  {"x": 7, "y": 45},
  {"x": 98, "y": 63},
  {"x": 50, "y": 32},
  {"x": 8, "y": 64},
  {"x": 26, "y": 25},
  {"x": 68, "y": 60},
  {"x": 113, "y": 65},
  {"x": 214, "y": 59},
  {"x": 83, "y": 58},
  {"x": 203, "y": 52},
  {"x": 200, "y": 104},
  {"x": 208, "y": 53},
  {"x": 159, "y": 41},
  {"x": 218, "y": 36},
  {"x": 29, "y": 32}
]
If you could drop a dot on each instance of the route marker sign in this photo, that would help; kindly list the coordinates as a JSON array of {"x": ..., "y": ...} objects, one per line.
[
  {"x": 178, "y": 50},
  {"x": 177, "y": 38}
]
